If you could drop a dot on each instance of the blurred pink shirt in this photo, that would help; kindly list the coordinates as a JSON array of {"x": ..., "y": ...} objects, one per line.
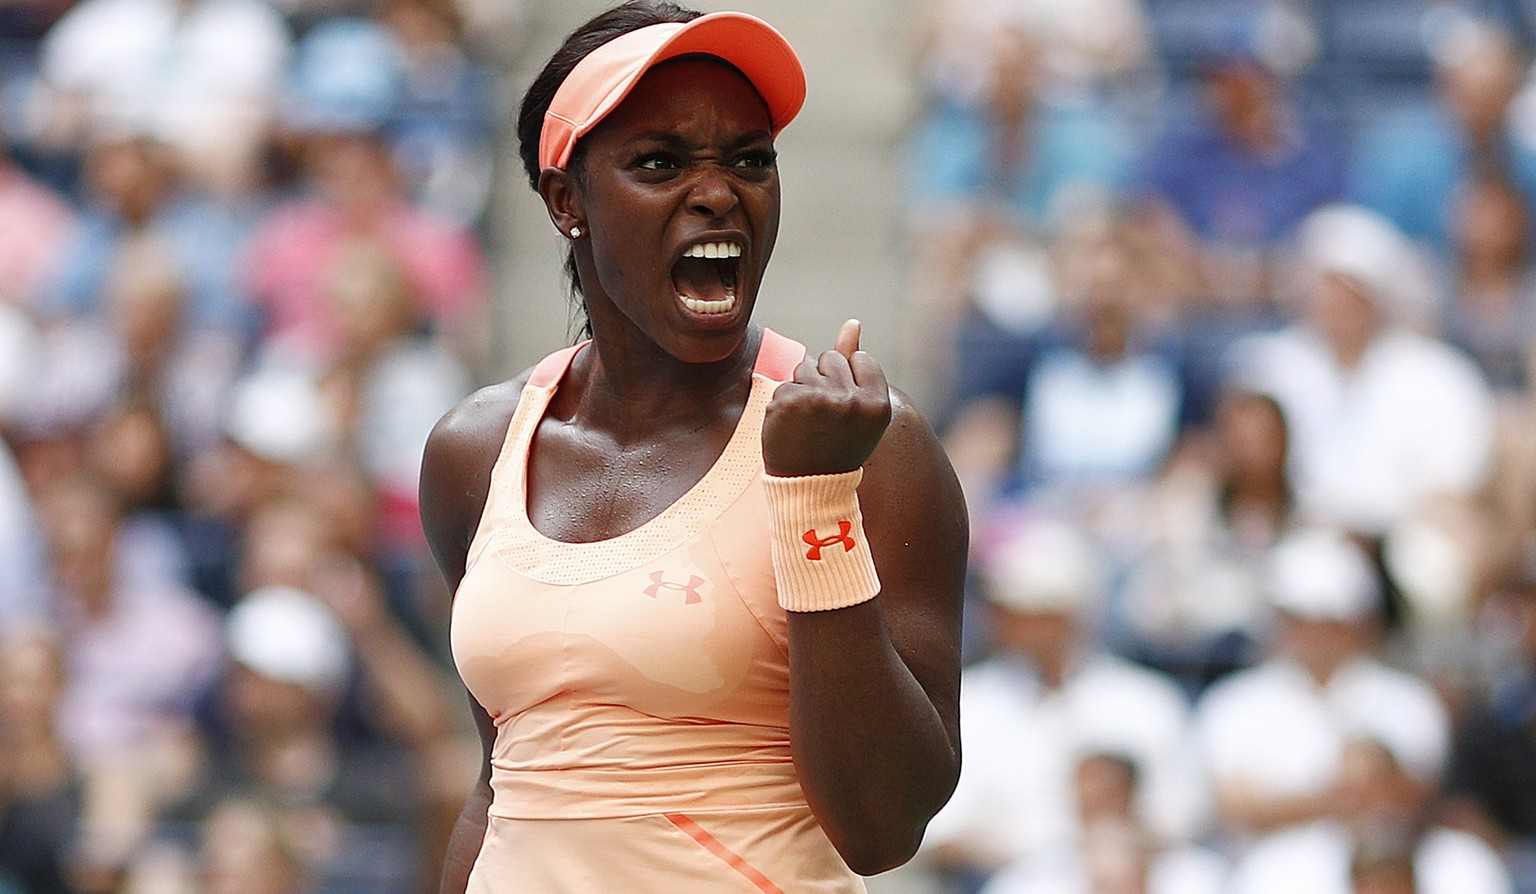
[
  {"x": 34, "y": 222},
  {"x": 292, "y": 251}
]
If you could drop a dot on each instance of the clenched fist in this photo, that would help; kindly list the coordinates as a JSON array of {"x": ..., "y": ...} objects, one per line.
[{"x": 832, "y": 416}]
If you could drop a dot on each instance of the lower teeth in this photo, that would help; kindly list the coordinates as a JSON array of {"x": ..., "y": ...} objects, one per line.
[{"x": 709, "y": 307}]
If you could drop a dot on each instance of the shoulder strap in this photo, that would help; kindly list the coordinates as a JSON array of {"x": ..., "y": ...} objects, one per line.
[
  {"x": 552, "y": 369},
  {"x": 778, "y": 356}
]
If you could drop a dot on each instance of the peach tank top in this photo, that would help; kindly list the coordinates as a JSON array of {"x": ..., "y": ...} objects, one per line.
[{"x": 639, "y": 685}]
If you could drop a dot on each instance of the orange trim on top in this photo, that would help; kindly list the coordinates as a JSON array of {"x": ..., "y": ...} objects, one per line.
[
  {"x": 552, "y": 368},
  {"x": 778, "y": 356},
  {"x": 731, "y": 858}
]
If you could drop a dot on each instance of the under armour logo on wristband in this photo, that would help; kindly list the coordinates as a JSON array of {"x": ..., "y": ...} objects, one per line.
[
  {"x": 691, "y": 588},
  {"x": 816, "y": 543}
]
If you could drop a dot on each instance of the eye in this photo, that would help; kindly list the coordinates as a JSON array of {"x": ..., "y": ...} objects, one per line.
[
  {"x": 658, "y": 161},
  {"x": 757, "y": 158}
]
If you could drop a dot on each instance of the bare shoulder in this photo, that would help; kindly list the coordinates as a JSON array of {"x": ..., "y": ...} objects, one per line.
[
  {"x": 481, "y": 417},
  {"x": 456, "y": 470}
]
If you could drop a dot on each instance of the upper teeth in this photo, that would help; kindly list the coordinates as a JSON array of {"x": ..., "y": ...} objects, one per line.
[{"x": 714, "y": 250}]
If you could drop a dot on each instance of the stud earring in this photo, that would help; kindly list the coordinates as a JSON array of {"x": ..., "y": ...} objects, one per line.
[{"x": 575, "y": 232}]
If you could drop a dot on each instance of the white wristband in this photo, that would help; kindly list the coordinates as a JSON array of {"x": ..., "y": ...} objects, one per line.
[{"x": 821, "y": 557}]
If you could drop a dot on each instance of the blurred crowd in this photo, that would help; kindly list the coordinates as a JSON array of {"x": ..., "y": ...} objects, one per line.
[
  {"x": 1236, "y": 304},
  {"x": 241, "y": 276}
]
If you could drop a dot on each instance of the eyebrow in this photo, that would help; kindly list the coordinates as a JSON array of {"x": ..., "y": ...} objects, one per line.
[{"x": 674, "y": 141}]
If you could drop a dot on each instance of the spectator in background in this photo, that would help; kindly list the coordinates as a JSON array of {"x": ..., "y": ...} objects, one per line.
[
  {"x": 1491, "y": 785},
  {"x": 1275, "y": 734},
  {"x": 200, "y": 75},
  {"x": 133, "y": 394},
  {"x": 40, "y": 789},
  {"x": 1193, "y": 601},
  {"x": 1118, "y": 853},
  {"x": 138, "y": 653},
  {"x": 277, "y": 719},
  {"x": 441, "y": 129},
  {"x": 993, "y": 133},
  {"x": 135, "y": 192},
  {"x": 129, "y": 453},
  {"x": 139, "y": 345},
  {"x": 276, "y": 438},
  {"x": 308, "y": 540},
  {"x": 296, "y": 543},
  {"x": 351, "y": 191},
  {"x": 246, "y": 846},
  {"x": 1048, "y": 696},
  {"x": 1091, "y": 402},
  {"x": 1491, "y": 314},
  {"x": 1011, "y": 129},
  {"x": 177, "y": 369},
  {"x": 1409, "y": 165},
  {"x": 1384, "y": 420},
  {"x": 34, "y": 224},
  {"x": 1377, "y": 799},
  {"x": 1224, "y": 193},
  {"x": 386, "y": 381},
  {"x": 1102, "y": 408},
  {"x": 304, "y": 675}
]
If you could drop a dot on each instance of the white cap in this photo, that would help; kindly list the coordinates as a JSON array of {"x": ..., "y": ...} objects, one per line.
[
  {"x": 1364, "y": 246},
  {"x": 1318, "y": 573},
  {"x": 279, "y": 416},
  {"x": 1433, "y": 568},
  {"x": 288, "y": 635},
  {"x": 1044, "y": 567}
]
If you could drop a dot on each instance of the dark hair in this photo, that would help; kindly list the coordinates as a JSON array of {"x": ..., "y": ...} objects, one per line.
[
  {"x": 602, "y": 28},
  {"x": 620, "y": 20}
]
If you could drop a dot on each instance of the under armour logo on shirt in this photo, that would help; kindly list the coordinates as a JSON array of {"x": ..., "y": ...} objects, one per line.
[
  {"x": 816, "y": 543},
  {"x": 691, "y": 589}
]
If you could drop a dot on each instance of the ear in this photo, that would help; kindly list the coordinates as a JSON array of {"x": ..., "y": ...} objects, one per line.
[{"x": 562, "y": 200}]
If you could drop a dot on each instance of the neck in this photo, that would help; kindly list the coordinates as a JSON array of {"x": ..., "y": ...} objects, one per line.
[
  {"x": 1489, "y": 278},
  {"x": 1053, "y": 666},
  {"x": 1258, "y": 492},
  {"x": 1350, "y": 349},
  {"x": 629, "y": 386},
  {"x": 1323, "y": 670}
]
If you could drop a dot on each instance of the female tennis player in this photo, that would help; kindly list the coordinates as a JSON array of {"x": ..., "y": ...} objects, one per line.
[{"x": 707, "y": 585}]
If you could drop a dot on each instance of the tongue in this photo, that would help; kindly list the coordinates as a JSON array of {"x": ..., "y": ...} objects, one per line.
[{"x": 704, "y": 279}]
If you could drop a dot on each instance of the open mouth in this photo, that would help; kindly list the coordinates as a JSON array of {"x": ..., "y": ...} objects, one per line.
[{"x": 705, "y": 277}]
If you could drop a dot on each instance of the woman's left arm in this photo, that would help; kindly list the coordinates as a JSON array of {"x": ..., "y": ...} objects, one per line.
[{"x": 874, "y": 687}]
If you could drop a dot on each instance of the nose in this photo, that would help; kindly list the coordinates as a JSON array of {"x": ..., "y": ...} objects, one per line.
[{"x": 712, "y": 194}]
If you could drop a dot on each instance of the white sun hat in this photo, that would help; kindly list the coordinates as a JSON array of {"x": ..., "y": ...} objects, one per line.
[
  {"x": 288, "y": 635},
  {"x": 1319, "y": 574}
]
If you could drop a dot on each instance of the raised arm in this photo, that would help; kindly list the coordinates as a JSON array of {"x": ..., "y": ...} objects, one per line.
[
  {"x": 455, "y": 478},
  {"x": 874, "y": 687}
]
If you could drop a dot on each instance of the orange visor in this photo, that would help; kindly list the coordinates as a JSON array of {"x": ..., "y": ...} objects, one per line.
[{"x": 599, "y": 82}]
